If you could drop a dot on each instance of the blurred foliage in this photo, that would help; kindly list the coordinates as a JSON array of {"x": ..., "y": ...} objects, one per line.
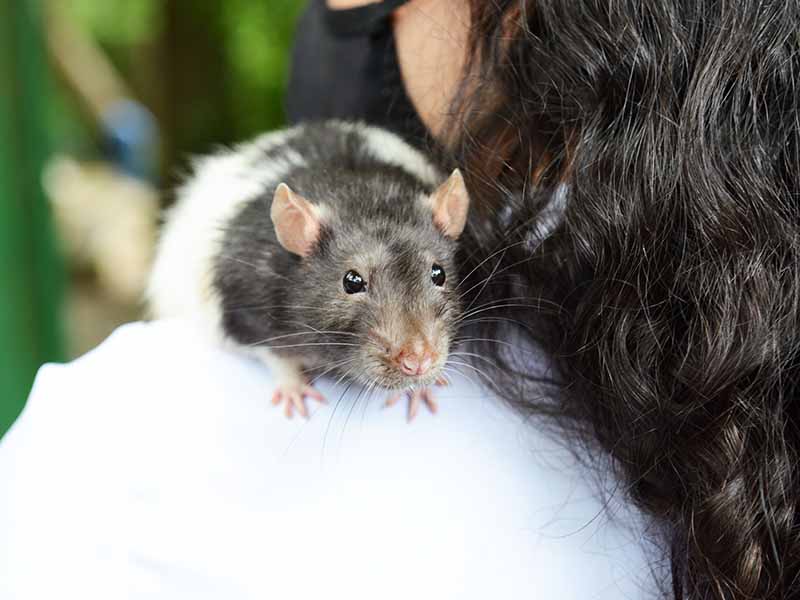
[
  {"x": 30, "y": 289},
  {"x": 260, "y": 69},
  {"x": 212, "y": 71},
  {"x": 121, "y": 23}
]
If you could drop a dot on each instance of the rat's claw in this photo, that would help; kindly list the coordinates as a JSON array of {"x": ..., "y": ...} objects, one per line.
[{"x": 442, "y": 381}]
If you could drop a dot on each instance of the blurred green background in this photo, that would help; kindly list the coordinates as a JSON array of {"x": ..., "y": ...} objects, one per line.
[{"x": 101, "y": 103}]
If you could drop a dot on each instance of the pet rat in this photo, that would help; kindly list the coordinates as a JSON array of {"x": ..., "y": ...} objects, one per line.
[{"x": 323, "y": 248}]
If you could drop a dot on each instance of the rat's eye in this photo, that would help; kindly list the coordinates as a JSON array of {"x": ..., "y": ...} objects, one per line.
[
  {"x": 437, "y": 275},
  {"x": 353, "y": 283}
]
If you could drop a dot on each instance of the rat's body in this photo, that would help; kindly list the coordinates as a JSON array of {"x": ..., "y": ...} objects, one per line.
[{"x": 326, "y": 247}]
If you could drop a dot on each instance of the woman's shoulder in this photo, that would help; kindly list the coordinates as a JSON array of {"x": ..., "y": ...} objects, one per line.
[{"x": 162, "y": 447}]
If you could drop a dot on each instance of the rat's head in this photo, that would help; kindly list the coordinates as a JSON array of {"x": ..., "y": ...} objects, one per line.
[{"x": 380, "y": 276}]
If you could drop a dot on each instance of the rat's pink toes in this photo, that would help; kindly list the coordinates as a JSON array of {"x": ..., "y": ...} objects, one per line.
[
  {"x": 413, "y": 405},
  {"x": 442, "y": 381},
  {"x": 313, "y": 393},
  {"x": 415, "y": 398},
  {"x": 293, "y": 396},
  {"x": 394, "y": 399},
  {"x": 427, "y": 396},
  {"x": 299, "y": 403}
]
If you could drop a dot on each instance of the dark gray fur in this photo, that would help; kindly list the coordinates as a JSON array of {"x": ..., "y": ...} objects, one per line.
[{"x": 276, "y": 299}]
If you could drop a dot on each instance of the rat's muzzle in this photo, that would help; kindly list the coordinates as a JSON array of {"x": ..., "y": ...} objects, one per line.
[{"x": 416, "y": 364}]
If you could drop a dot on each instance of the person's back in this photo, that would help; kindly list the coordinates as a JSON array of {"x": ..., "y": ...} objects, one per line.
[{"x": 154, "y": 468}]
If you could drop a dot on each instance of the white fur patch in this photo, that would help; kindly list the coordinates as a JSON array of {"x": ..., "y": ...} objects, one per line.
[
  {"x": 393, "y": 150},
  {"x": 182, "y": 276}
]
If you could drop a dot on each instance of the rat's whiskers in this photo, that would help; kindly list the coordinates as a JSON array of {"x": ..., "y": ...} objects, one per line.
[
  {"x": 473, "y": 367},
  {"x": 485, "y": 260},
  {"x": 330, "y": 367},
  {"x": 305, "y": 345}
]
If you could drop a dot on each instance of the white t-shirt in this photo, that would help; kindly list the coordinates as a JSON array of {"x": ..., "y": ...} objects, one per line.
[{"x": 156, "y": 467}]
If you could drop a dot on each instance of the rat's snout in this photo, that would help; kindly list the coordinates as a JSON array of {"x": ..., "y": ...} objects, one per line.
[
  {"x": 415, "y": 359},
  {"x": 412, "y": 364},
  {"x": 407, "y": 358}
]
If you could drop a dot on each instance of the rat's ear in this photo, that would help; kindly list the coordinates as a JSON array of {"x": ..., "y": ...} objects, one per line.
[
  {"x": 450, "y": 204},
  {"x": 296, "y": 221}
]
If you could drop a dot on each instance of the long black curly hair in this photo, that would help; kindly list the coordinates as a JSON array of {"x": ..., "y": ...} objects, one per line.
[{"x": 668, "y": 289}]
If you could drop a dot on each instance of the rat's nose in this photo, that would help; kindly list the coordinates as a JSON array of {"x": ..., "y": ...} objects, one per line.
[{"x": 415, "y": 364}]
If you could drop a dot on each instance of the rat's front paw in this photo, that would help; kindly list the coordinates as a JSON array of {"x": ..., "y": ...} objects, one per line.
[
  {"x": 293, "y": 396},
  {"x": 415, "y": 397}
]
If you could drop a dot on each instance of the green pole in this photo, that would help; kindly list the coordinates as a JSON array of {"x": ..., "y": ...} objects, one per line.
[{"x": 30, "y": 275}]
